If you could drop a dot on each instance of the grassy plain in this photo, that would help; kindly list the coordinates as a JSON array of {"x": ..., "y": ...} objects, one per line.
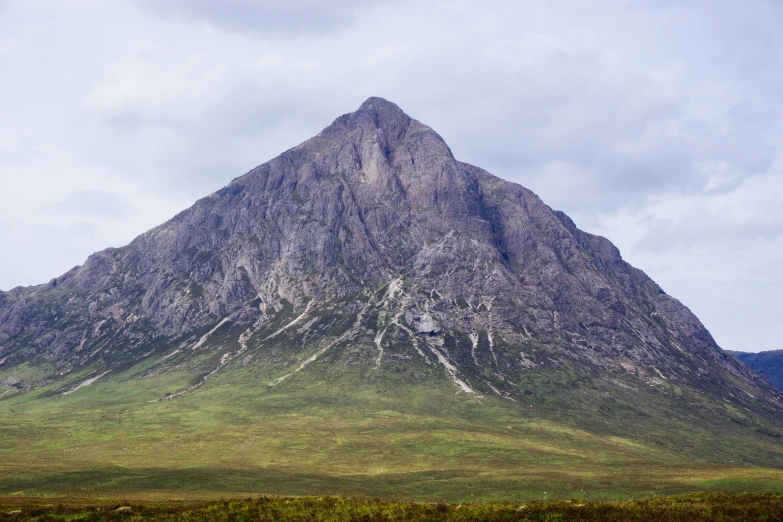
[
  {"x": 341, "y": 426},
  {"x": 332, "y": 430}
]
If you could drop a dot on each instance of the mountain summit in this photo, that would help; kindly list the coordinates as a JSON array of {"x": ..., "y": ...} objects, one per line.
[
  {"x": 472, "y": 272},
  {"x": 369, "y": 251}
]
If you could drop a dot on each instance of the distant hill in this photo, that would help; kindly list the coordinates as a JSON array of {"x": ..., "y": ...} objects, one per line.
[{"x": 769, "y": 364}]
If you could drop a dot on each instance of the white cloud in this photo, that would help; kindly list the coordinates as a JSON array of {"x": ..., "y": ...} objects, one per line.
[
  {"x": 720, "y": 253},
  {"x": 99, "y": 203}
]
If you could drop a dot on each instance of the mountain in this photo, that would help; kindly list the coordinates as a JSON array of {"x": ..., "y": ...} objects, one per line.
[
  {"x": 768, "y": 364},
  {"x": 367, "y": 270}
]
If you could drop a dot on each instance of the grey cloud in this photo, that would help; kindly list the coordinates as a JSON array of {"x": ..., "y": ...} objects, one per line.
[
  {"x": 269, "y": 17},
  {"x": 560, "y": 121},
  {"x": 613, "y": 136},
  {"x": 563, "y": 124},
  {"x": 98, "y": 203},
  {"x": 732, "y": 326},
  {"x": 238, "y": 133},
  {"x": 676, "y": 234},
  {"x": 751, "y": 42},
  {"x": 39, "y": 251}
]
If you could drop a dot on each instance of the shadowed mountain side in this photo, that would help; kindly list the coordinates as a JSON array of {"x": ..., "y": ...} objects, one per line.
[{"x": 768, "y": 364}]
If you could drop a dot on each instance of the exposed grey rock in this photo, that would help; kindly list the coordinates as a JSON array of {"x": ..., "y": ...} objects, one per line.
[
  {"x": 14, "y": 382},
  {"x": 466, "y": 261}
]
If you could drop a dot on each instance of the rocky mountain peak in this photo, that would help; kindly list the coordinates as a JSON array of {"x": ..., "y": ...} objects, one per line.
[
  {"x": 388, "y": 149},
  {"x": 385, "y": 113},
  {"x": 367, "y": 240}
]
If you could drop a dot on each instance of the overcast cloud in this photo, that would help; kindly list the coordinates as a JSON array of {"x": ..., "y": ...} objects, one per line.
[{"x": 655, "y": 123}]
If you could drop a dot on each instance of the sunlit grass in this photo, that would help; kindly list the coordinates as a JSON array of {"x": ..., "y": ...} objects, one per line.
[{"x": 352, "y": 435}]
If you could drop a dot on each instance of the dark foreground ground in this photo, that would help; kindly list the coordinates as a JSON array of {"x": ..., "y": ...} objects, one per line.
[{"x": 693, "y": 507}]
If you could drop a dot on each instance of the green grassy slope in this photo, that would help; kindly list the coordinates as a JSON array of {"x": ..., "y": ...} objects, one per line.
[{"x": 341, "y": 427}]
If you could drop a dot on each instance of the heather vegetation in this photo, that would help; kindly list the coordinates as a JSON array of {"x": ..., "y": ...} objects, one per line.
[{"x": 695, "y": 507}]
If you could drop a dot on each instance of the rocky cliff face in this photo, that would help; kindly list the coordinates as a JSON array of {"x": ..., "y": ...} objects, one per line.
[{"x": 372, "y": 237}]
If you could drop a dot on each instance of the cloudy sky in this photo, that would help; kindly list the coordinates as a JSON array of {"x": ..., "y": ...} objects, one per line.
[{"x": 656, "y": 123}]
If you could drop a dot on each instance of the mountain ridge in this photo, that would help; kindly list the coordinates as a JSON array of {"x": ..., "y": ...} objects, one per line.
[
  {"x": 404, "y": 193},
  {"x": 768, "y": 364}
]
